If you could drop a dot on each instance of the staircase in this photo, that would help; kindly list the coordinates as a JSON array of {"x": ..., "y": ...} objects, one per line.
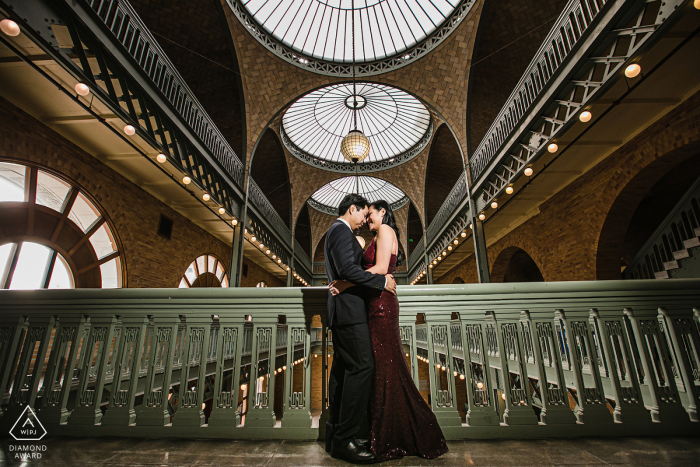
[{"x": 673, "y": 251}]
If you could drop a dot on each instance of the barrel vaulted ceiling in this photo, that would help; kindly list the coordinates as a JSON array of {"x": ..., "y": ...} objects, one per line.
[{"x": 246, "y": 89}]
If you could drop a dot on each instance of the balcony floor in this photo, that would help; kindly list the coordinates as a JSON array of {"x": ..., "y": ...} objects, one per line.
[{"x": 548, "y": 452}]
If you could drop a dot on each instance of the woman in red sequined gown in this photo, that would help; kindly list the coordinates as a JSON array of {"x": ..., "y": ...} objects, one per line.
[{"x": 402, "y": 423}]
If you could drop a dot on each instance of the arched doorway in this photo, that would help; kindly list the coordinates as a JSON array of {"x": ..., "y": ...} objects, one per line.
[{"x": 513, "y": 264}]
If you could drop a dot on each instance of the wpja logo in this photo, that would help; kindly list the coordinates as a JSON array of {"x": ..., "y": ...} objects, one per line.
[{"x": 27, "y": 428}]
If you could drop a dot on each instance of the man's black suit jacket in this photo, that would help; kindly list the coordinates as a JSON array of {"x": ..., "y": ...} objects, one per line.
[{"x": 343, "y": 256}]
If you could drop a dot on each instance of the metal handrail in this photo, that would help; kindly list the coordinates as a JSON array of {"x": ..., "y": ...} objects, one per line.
[
  {"x": 123, "y": 21},
  {"x": 454, "y": 198},
  {"x": 577, "y": 16},
  {"x": 258, "y": 198}
]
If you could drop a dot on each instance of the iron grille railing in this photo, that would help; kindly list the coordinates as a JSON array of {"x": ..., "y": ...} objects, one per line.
[
  {"x": 573, "y": 21},
  {"x": 300, "y": 253},
  {"x": 670, "y": 243},
  {"x": 121, "y": 19},
  {"x": 417, "y": 254},
  {"x": 454, "y": 199},
  {"x": 258, "y": 198}
]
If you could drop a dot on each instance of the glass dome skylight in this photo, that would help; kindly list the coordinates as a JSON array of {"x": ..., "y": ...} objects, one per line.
[
  {"x": 393, "y": 121},
  {"x": 323, "y": 28},
  {"x": 328, "y": 197}
]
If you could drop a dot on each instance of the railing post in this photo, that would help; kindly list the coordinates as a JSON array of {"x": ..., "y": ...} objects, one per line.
[
  {"x": 154, "y": 410},
  {"x": 229, "y": 346},
  {"x": 70, "y": 331},
  {"x": 629, "y": 404},
  {"x": 25, "y": 386},
  {"x": 685, "y": 346},
  {"x": 481, "y": 406},
  {"x": 297, "y": 403},
  {"x": 196, "y": 345},
  {"x": 12, "y": 331},
  {"x": 592, "y": 405},
  {"x": 442, "y": 395},
  {"x": 262, "y": 384},
  {"x": 407, "y": 328},
  {"x": 518, "y": 400},
  {"x": 236, "y": 256},
  {"x": 131, "y": 350},
  {"x": 87, "y": 407},
  {"x": 482, "y": 259},
  {"x": 555, "y": 401},
  {"x": 326, "y": 344},
  {"x": 657, "y": 374}
]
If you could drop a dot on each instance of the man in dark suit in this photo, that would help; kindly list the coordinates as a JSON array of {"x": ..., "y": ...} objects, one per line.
[{"x": 352, "y": 372}]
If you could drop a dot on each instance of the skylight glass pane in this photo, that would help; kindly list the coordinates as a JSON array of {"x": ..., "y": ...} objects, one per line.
[
  {"x": 392, "y": 120},
  {"x": 373, "y": 189},
  {"x": 51, "y": 191},
  {"x": 103, "y": 242},
  {"x": 110, "y": 274},
  {"x": 31, "y": 267},
  {"x": 61, "y": 278},
  {"x": 83, "y": 213},
  {"x": 323, "y": 27},
  {"x": 12, "y": 179}
]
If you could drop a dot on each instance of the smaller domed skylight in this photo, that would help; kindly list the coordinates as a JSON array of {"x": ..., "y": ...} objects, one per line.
[{"x": 328, "y": 197}]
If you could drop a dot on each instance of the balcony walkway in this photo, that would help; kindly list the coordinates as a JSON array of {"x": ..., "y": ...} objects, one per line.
[{"x": 583, "y": 451}]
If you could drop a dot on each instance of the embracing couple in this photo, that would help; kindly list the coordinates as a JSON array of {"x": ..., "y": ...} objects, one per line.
[{"x": 370, "y": 380}]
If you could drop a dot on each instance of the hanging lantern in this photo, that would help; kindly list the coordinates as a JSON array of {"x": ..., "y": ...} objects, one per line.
[{"x": 355, "y": 146}]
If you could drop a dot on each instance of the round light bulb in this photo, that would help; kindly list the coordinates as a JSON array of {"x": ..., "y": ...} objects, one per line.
[
  {"x": 464, "y": 234},
  {"x": 494, "y": 204},
  {"x": 82, "y": 89},
  {"x": 186, "y": 180},
  {"x": 222, "y": 211},
  {"x": 234, "y": 221},
  {"x": 206, "y": 197},
  {"x": 430, "y": 266},
  {"x": 553, "y": 147},
  {"x": 503, "y": 396},
  {"x": 279, "y": 260},
  {"x": 443, "y": 368},
  {"x": 129, "y": 130},
  {"x": 242, "y": 387},
  {"x": 585, "y": 116},
  {"x": 284, "y": 367},
  {"x": 274, "y": 256},
  {"x": 470, "y": 228},
  {"x": 161, "y": 158},
  {"x": 252, "y": 239},
  {"x": 456, "y": 242},
  {"x": 633, "y": 70},
  {"x": 509, "y": 190},
  {"x": 482, "y": 216},
  {"x": 449, "y": 248},
  {"x": 461, "y": 377},
  {"x": 262, "y": 245},
  {"x": 439, "y": 258},
  {"x": 267, "y": 252},
  {"x": 275, "y": 372},
  {"x": 480, "y": 385},
  {"x": 696, "y": 4},
  {"x": 455, "y": 373},
  {"x": 287, "y": 268},
  {"x": 261, "y": 378},
  {"x": 444, "y": 253},
  {"x": 9, "y": 27},
  {"x": 528, "y": 171}
]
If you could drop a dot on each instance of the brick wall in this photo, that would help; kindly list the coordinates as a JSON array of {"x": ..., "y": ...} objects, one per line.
[
  {"x": 150, "y": 260},
  {"x": 257, "y": 274},
  {"x": 579, "y": 232}
]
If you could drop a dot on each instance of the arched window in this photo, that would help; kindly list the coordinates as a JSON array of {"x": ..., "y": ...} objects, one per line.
[
  {"x": 205, "y": 271},
  {"x": 54, "y": 235}
]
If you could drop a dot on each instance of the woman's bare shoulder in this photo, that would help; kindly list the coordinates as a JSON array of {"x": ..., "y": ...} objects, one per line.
[{"x": 384, "y": 229}]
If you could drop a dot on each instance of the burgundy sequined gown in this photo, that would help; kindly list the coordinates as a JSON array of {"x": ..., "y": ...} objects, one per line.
[{"x": 402, "y": 423}]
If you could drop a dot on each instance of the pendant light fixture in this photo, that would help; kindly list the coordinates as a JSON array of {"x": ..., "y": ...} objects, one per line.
[{"x": 355, "y": 145}]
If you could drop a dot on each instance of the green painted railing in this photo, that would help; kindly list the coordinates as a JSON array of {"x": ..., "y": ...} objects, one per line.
[{"x": 494, "y": 360}]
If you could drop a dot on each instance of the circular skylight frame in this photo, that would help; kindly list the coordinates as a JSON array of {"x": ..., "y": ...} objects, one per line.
[
  {"x": 397, "y": 124},
  {"x": 327, "y": 198},
  {"x": 340, "y": 69}
]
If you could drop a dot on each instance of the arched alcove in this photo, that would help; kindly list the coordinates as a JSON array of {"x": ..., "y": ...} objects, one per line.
[
  {"x": 415, "y": 228},
  {"x": 302, "y": 230},
  {"x": 269, "y": 170},
  {"x": 444, "y": 168},
  {"x": 640, "y": 208},
  {"x": 458, "y": 280},
  {"x": 513, "y": 264},
  {"x": 320, "y": 253}
]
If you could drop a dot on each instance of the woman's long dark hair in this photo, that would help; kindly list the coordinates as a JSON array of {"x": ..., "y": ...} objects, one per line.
[{"x": 391, "y": 222}]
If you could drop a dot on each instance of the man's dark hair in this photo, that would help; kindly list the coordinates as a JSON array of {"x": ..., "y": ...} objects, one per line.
[{"x": 351, "y": 200}]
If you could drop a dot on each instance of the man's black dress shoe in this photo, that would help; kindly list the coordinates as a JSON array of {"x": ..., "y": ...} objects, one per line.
[{"x": 353, "y": 453}]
